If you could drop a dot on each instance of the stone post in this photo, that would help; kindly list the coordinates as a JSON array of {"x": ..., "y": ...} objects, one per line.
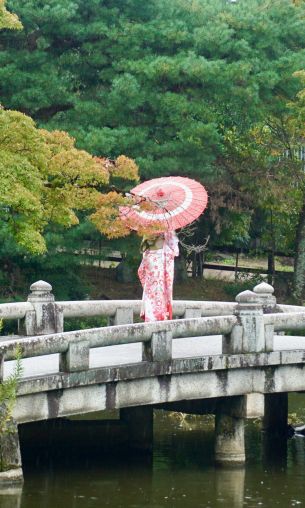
[
  {"x": 123, "y": 316},
  {"x": 46, "y": 316},
  {"x": 192, "y": 313},
  {"x": 76, "y": 358},
  {"x": 265, "y": 295},
  {"x": 159, "y": 348},
  {"x": 229, "y": 430},
  {"x": 249, "y": 335}
]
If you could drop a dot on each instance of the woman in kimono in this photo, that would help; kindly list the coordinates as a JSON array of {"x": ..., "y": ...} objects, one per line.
[{"x": 156, "y": 274}]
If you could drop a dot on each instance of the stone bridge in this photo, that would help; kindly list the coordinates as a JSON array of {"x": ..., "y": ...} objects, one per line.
[{"x": 248, "y": 361}]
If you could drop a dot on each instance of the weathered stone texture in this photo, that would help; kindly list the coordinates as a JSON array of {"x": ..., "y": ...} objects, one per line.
[
  {"x": 10, "y": 457},
  {"x": 229, "y": 431}
]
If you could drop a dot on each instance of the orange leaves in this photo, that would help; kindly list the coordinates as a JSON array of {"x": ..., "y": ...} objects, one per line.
[
  {"x": 68, "y": 164},
  {"x": 112, "y": 218},
  {"x": 75, "y": 181},
  {"x": 45, "y": 179},
  {"x": 125, "y": 168},
  {"x": 107, "y": 215},
  {"x": 122, "y": 167},
  {"x": 54, "y": 180},
  {"x": 102, "y": 166},
  {"x": 57, "y": 141}
]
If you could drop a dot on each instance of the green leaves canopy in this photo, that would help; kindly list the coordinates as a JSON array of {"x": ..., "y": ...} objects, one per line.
[
  {"x": 167, "y": 83},
  {"x": 159, "y": 81},
  {"x": 45, "y": 179}
]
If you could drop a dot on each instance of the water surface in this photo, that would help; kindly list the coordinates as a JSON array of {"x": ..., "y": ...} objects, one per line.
[{"x": 180, "y": 473}]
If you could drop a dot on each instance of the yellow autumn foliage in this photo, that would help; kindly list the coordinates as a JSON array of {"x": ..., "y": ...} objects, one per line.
[
  {"x": 44, "y": 178},
  {"x": 125, "y": 168},
  {"x": 7, "y": 19},
  {"x": 107, "y": 217}
]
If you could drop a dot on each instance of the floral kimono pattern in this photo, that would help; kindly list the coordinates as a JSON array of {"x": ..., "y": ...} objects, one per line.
[{"x": 156, "y": 274}]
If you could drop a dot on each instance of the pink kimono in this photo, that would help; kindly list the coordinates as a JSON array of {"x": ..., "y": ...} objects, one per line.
[{"x": 156, "y": 274}]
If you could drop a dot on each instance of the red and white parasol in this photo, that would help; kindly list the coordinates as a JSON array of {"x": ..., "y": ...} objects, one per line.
[{"x": 173, "y": 202}]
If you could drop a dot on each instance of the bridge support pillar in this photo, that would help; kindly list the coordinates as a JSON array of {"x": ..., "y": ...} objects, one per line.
[
  {"x": 276, "y": 414},
  {"x": 229, "y": 430},
  {"x": 139, "y": 421},
  {"x": 10, "y": 457},
  {"x": 275, "y": 429}
]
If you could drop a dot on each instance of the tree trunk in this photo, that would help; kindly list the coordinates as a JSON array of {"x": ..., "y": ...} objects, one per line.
[
  {"x": 194, "y": 265},
  {"x": 236, "y": 265},
  {"x": 299, "y": 260},
  {"x": 200, "y": 264},
  {"x": 99, "y": 252},
  {"x": 197, "y": 265},
  {"x": 181, "y": 274},
  {"x": 270, "y": 267},
  {"x": 271, "y": 253}
]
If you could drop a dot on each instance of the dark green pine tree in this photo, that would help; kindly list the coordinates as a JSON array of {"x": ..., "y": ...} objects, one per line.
[
  {"x": 162, "y": 82},
  {"x": 158, "y": 81}
]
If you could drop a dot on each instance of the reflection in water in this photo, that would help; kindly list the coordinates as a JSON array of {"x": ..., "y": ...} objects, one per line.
[
  {"x": 274, "y": 451},
  {"x": 180, "y": 474},
  {"x": 117, "y": 485},
  {"x": 296, "y": 452},
  {"x": 10, "y": 497},
  {"x": 230, "y": 485}
]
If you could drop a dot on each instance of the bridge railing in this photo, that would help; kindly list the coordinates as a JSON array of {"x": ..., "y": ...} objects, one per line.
[
  {"x": 116, "y": 335},
  {"x": 247, "y": 326},
  {"x": 41, "y": 314}
]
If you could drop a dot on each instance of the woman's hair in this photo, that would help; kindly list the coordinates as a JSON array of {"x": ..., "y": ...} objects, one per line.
[{"x": 149, "y": 242}]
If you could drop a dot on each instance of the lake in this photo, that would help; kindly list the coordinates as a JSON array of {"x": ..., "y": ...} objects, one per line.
[{"x": 179, "y": 473}]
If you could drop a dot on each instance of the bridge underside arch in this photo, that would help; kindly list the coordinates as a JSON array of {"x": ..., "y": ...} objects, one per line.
[{"x": 64, "y": 394}]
